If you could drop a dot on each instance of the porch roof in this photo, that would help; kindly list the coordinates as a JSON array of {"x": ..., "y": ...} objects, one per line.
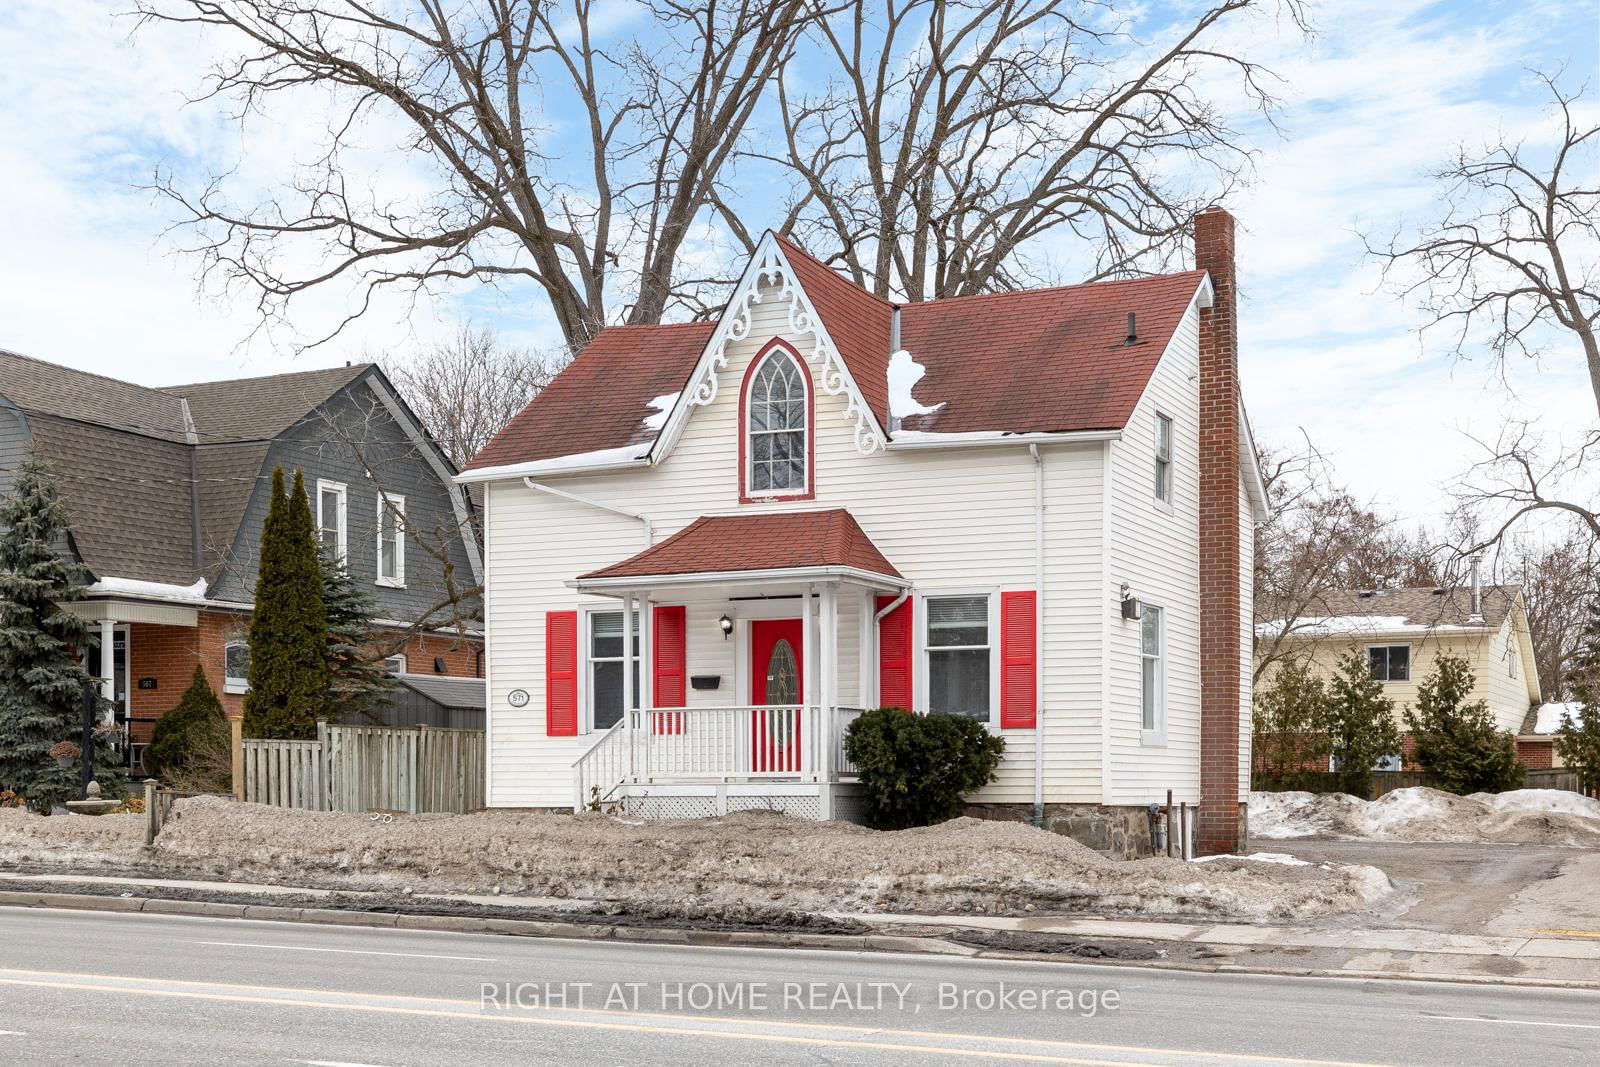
[{"x": 798, "y": 544}]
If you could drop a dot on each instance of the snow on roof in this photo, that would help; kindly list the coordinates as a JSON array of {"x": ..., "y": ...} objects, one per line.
[
  {"x": 1349, "y": 625},
  {"x": 904, "y": 374},
  {"x": 663, "y": 406},
  {"x": 1549, "y": 716}
]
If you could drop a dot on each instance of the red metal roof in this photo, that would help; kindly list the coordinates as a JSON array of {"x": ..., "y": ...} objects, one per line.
[
  {"x": 1038, "y": 361},
  {"x": 758, "y": 542},
  {"x": 601, "y": 399}
]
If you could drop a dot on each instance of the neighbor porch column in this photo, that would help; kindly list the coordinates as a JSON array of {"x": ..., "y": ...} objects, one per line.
[{"x": 108, "y": 666}]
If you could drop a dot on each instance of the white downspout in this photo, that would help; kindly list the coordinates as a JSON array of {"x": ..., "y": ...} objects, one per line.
[
  {"x": 1038, "y": 634},
  {"x": 539, "y": 487}
]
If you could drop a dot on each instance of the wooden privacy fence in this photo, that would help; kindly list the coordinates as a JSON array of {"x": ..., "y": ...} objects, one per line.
[{"x": 363, "y": 768}]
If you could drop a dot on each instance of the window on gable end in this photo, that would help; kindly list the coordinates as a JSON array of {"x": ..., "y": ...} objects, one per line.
[
  {"x": 776, "y": 414},
  {"x": 1163, "y": 459}
]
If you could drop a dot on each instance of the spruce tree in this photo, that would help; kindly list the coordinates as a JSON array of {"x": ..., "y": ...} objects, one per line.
[
  {"x": 191, "y": 747},
  {"x": 1290, "y": 742},
  {"x": 42, "y": 678},
  {"x": 1457, "y": 743},
  {"x": 288, "y": 632},
  {"x": 358, "y": 680},
  {"x": 1577, "y": 743},
  {"x": 1361, "y": 724}
]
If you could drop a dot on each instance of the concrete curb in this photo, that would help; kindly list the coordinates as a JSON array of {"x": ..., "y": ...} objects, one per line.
[{"x": 716, "y": 938}]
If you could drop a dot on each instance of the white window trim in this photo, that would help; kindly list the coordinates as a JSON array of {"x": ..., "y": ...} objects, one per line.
[
  {"x": 231, "y": 684},
  {"x": 401, "y": 656},
  {"x": 343, "y": 492},
  {"x": 398, "y": 504},
  {"x": 1156, "y": 738},
  {"x": 1164, "y": 503},
  {"x": 750, "y": 489},
  {"x": 586, "y": 659},
  {"x": 1410, "y": 661},
  {"x": 920, "y": 648}
]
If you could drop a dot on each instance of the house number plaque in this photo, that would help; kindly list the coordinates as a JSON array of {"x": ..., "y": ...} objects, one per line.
[{"x": 518, "y": 698}]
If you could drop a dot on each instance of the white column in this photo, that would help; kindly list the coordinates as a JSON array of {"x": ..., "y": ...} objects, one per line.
[
  {"x": 829, "y": 681},
  {"x": 866, "y": 652},
  {"x": 108, "y": 665},
  {"x": 647, "y": 637},
  {"x": 627, "y": 655}
]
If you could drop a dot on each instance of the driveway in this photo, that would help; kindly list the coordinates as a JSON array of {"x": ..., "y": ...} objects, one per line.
[{"x": 1512, "y": 890}]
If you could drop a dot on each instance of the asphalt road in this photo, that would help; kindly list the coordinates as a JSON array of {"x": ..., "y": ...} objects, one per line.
[{"x": 97, "y": 988}]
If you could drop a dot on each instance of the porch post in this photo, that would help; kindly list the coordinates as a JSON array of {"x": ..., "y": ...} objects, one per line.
[
  {"x": 808, "y": 667},
  {"x": 867, "y": 652},
  {"x": 627, "y": 681},
  {"x": 647, "y": 655},
  {"x": 108, "y": 667},
  {"x": 828, "y": 690}
]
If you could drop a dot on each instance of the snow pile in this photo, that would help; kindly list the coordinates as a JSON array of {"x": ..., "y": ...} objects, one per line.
[
  {"x": 904, "y": 374},
  {"x": 1528, "y": 816},
  {"x": 28, "y": 840},
  {"x": 1258, "y": 857},
  {"x": 750, "y": 859}
]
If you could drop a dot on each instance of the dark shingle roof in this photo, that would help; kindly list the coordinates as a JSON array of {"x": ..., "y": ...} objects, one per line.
[
  {"x": 1419, "y": 606},
  {"x": 447, "y": 692},
  {"x": 121, "y": 454},
  {"x": 259, "y": 409}
]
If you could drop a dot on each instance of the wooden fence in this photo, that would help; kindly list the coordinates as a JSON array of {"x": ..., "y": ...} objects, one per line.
[{"x": 368, "y": 768}]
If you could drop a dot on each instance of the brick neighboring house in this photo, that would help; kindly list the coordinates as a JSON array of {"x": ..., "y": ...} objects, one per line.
[
  {"x": 1402, "y": 631},
  {"x": 1034, "y": 509},
  {"x": 167, "y": 489}
]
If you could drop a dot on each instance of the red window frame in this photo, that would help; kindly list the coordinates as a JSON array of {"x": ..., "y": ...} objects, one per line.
[{"x": 744, "y": 425}]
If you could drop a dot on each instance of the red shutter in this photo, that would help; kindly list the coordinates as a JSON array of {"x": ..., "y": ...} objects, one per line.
[
  {"x": 561, "y": 673},
  {"x": 669, "y": 649},
  {"x": 1019, "y": 657},
  {"x": 894, "y": 655}
]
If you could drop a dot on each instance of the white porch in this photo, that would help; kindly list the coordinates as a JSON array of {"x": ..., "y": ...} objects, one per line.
[{"x": 777, "y": 663}]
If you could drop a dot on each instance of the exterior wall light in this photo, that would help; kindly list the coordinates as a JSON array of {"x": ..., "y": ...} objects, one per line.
[
  {"x": 1132, "y": 609},
  {"x": 727, "y": 627}
]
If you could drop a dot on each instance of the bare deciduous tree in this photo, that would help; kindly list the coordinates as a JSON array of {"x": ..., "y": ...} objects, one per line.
[
  {"x": 1523, "y": 474},
  {"x": 1513, "y": 258},
  {"x": 585, "y": 211},
  {"x": 955, "y": 132},
  {"x": 1320, "y": 540},
  {"x": 1558, "y": 581},
  {"x": 464, "y": 390}
]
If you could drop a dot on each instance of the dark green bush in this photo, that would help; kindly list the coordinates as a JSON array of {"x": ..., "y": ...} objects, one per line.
[
  {"x": 915, "y": 769},
  {"x": 1456, "y": 741},
  {"x": 191, "y": 746}
]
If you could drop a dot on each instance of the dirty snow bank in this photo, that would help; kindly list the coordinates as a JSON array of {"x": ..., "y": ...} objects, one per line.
[
  {"x": 1528, "y": 816},
  {"x": 753, "y": 858},
  {"x": 28, "y": 840}
]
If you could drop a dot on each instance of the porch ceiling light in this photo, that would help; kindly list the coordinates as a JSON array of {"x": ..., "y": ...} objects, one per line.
[{"x": 727, "y": 627}]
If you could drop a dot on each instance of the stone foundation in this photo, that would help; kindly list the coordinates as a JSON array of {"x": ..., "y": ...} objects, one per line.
[{"x": 1119, "y": 831}]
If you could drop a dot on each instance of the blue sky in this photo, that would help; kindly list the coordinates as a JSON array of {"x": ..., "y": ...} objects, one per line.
[{"x": 88, "y": 276}]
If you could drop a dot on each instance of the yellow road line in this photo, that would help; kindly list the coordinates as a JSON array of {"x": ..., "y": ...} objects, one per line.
[
  {"x": 467, "y": 1011},
  {"x": 1568, "y": 933}
]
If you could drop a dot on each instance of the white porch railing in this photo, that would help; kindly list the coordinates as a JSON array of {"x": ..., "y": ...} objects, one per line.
[{"x": 740, "y": 743}]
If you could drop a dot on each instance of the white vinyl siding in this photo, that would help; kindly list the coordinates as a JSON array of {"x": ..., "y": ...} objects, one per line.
[{"x": 949, "y": 519}]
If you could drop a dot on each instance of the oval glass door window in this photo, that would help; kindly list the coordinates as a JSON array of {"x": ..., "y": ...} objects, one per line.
[{"x": 783, "y": 674}]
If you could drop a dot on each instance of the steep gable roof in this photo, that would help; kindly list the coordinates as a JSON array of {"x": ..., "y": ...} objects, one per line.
[
  {"x": 601, "y": 400},
  {"x": 259, "y": 409},
  {"x": 1042, "y": 361},
  {"x": 44, "y": 388}
]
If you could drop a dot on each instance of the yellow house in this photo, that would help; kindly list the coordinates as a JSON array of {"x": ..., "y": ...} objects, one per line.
[{"x": 1401, "y": 632}]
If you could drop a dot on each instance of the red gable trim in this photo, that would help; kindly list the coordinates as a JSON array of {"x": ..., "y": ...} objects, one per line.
[{"x": 777, "y": 344}]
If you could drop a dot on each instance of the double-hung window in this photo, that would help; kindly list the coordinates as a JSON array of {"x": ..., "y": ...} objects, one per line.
[
  {"x": 1163, "y": 484},
  {"x": 960, "y": 656},
  {"x": 391, "y": 540},
  {"x": 1390, "y": 663},
  {"x": 605, "y": 667},
  {"x": 1152, "y": 673},
  {"x": 331, "y": 514}
]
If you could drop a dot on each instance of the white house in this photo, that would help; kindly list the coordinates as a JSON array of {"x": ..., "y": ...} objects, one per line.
[{"x": 1032, "y": 508}]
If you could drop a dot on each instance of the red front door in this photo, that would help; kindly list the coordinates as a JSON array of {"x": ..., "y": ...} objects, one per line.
[{"x": 777, "y": 678}]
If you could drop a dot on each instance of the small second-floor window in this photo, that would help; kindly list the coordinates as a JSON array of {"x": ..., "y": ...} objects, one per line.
[
  {"x": 777, "y": 418},
  {"x": 236, "y": 666},
  {"x": 1390, "y": 663},
  {"x": 958, "y": 656},
  {"x": 1163, "y": 459},
  {"x": 395, "y": 664},
  {"x": 391, "y": 540},
  {"x": 331, "y": 518}
]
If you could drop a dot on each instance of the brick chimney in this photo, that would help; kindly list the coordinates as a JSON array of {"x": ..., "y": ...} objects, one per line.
[{"x": 1221, "y": 595}]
